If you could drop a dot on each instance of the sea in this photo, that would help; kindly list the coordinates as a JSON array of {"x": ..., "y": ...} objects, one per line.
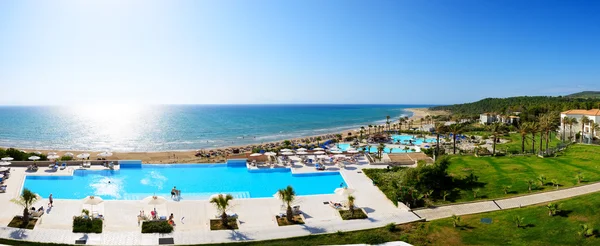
[{"x": 141, "y": 128}]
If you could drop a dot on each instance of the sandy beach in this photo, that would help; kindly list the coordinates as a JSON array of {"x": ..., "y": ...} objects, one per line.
[{"x": 189, "y": 156}]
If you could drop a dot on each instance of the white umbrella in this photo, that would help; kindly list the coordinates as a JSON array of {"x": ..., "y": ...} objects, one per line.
[
  {"x": 344, "y": 191},
  {"x": 295, "y": 158},
  {"x": 339, "y": 156},
  {"x": 256, "y": 154},
  {"x": 83, "y": 156},
  {"x": 301, "y": 149},
  {"x": 352, "y": 151},
  {"x": 53, "y": 157},
  {"x": 34, "y": 158},
  {"x": 92, "y": 200},
  {"x": 1, "y": 176},
  {"x": 334, "y": 149},
  {"x": 302, "y": 152},
  {"x": 336, "y": 152},
  {"x": 51, "y": 153},
  {"x": 7, "y": 158},
  {"x": 154, "y": 200},
  {"x": 322, "y": 156},
  {"x": 68, "y": 154},
  {"x": 105, "y": 154},
  {"x": 319, "y": 152},
  {"x": 318, "y": 149},
  {"x": 37, "y": 153},
  {"x": 4, "y": 163},
  {"x": 285, "y": 150},
  {"x": 270, "y": 153},
  {"x": 3, "y": 169},
  {"x": 287, "y": 153}
]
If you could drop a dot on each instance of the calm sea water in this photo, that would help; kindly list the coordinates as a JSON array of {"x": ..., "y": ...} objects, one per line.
[{"x": 178, "y": 127}]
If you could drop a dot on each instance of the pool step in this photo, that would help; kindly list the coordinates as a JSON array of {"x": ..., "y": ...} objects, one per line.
[{"x": 186, "y": 196}]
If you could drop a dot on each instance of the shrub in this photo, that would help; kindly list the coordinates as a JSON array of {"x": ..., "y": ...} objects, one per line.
[
  {"x": 86, "y": 225},
  {"x": 66, "y": 158},
  {"x": 372, "y": 239},
  {"x": 391, "y": 227},
  {"x": 156, "y": 227}
]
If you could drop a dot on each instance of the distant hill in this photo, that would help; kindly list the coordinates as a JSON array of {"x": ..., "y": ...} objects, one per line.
[
  {"x": 585, "y": 94},
  {"x": 528, "y": 106}
]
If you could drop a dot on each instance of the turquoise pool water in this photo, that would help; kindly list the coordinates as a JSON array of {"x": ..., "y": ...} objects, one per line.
[
  {"x": 373, "y": 149},
  {"x": 405, "y": 138},
  {"x": 195, "y": 182}
]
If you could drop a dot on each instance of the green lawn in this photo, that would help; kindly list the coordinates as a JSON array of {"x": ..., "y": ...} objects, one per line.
[
  {"x": 496, "y": 172},
  {"x": 514, "y": 144},
  {"x": 540, "y": 229}
]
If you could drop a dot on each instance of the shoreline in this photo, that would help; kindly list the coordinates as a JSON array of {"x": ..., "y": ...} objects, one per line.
[{"x": 188, "y": 156}]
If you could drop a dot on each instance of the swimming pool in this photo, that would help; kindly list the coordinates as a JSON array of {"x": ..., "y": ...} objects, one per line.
[
  {"x": 404, "y": 139},
  {"x": 196, "y": 182}
]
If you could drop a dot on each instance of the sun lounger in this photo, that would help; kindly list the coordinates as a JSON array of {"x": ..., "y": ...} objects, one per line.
[
  {"x": 63, "y": 166},
  {"x": 37, "y": 214},
  {"x": 3, "y": 189},
  {"x": 336, "y": 205}
]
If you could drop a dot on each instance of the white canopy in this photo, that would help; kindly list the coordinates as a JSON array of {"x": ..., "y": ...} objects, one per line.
[
  {"x": 51, "y": 153},
  {"x": 92, "y": 200},
  {"x": 154, "y": 200},
  {"x": 285, "y": 150},
  {"x": 318, "y": 149},
  {"x": 339, "y": 156},
  {"x": 3, "y": 169},
  {"x": 255, "y": 154},
  {"x": 34, "y": 158},
  {"x": 322, "y": 156},
  {"x": 270, "y": 153},
  {"x": 83, "y": 156},
  {"x": 4, "y": 163},
  {"x": 7, "y": 158},
  {"x": 68, "y": 154},
  {"x": 301, "y": 149},
  {"x": 105, "y": 154},
  {"x": 38, "y": 153},
  {"x": 336, "y": 152},
  {"x": 344, "y": 191},
  {"x": 287, "y": 153},
  {"x": 352, "y": 151},
  {"x": 295, "y": 158},
  {"x": 319, "y": 152},
  {"x": 53, "y": 157},
  {"x": 302, "y": 152}
]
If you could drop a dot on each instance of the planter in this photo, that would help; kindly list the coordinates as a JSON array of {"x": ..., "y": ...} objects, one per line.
[
  {"x": 156, "y": 226},
  {"x": 17, "y": 222},
  {"x": 233, "y": 224},
  {"x": 358, "y": 214},
  {"x": 298, "y": 220},
  {"x": 87, "y": 225}
]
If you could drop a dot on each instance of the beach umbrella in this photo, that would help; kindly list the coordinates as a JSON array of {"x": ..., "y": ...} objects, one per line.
[
  {"x": 83, "y": 156},
  {"x": 69, "y": 154},
  {"x": 154, "y": 200},
  {"x": 344, "y": 191},
  {"x": 334, "y": 149},
  {"x": 34, "y": 158},
  {"x": 287, "y": 153},
  {"x": 285, "y": 150},
  {"x": 270, "y": 153},
  {"x": 339, "y": 156},
  {"x": 318, "y": 149},
  {"x": 301, "y": 149},
  {"x": 53, "y": 157},
  {"x": 302, "y": 152},
  {"x": 256, "y": 154},
  {"x": 352, "y": 151},
  {"x": 38, "y": 153},
  {"x": 51, "y": 153},
  {"x": 1, "y": 176},
  {"x": 322, "y": 156},
  {"x": 4, "y": 163},
  {"x": 319, "y": 152},
  {"x": 92, "y": 200},
  {"x": 3, "y": 169},
  {"x": 105, "y": 154},
  {"x": 7, "y": 158},
  {"x": 336, "y": 152}
]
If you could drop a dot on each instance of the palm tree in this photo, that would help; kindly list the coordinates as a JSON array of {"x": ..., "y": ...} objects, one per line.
[
  {"x": 572, "y": 122},
  {"x": 455, "y": 129},
  {"x": 496, "y": 130},
  {"x": 552, "y": 209},
  {"x": 519, "y": 221},
  {"x": 362, "y": 130},
  {"x": 533, "y": 129},
  {"x": 565, "y": 121},
  {"x": 26, "y": 199},
  {"x": 288, "y": 195},
  {"x": 585, "y": 231},
  {"x": 351, "y": 204},
  {"x": 523, "y": 131},
  {"x": 387, "y": 122},
  {"x": 594, "y": 128},
  {"x": 542, "y": 180},
  {"x": 370, "y": 126},
  {"x": 222, "y": 203},
  {"x": 455, "y": 220},
  {"x": 440, "y": 128},
  {"x": 319, "y": 140},
  {"x": 530, "y": 183},
  {"x": 584, "y": 120},
  {"x": 380, "y": 149}
]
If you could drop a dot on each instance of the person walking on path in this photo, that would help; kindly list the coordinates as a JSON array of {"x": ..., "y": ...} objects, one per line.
[{"x": 51, "y": 201}]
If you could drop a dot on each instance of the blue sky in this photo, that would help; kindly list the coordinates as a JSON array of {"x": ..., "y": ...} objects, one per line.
[{"x": 313, "y": 51}]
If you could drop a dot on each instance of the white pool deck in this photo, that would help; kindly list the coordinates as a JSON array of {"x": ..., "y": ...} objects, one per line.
[{"x": 256, "y": 215}]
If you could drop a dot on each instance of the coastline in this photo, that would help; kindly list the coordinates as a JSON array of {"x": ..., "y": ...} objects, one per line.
[{"x": 188, "y": 156}]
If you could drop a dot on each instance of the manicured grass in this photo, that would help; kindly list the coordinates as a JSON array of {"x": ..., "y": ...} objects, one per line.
[
  {"x": 540, "y": 229},
  {"x": 514, "y": 144},
  {"x": 17, "y": 222},
  {"x": 496, "y": 172}
]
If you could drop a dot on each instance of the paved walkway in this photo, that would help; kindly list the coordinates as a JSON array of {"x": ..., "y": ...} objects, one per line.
[{"x": 488, "y": 206}]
